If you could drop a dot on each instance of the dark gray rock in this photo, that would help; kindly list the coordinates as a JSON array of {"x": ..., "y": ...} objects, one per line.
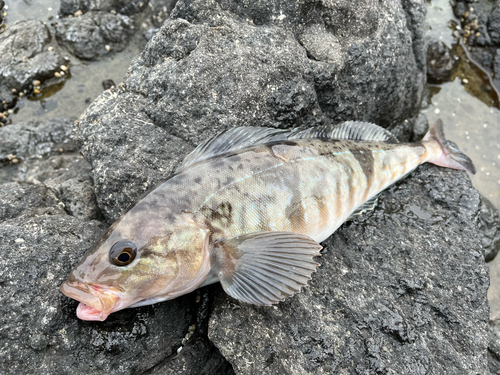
[
  {"x": 95, "y": 34},
  {"x": 494, "y": 348},
  {"x": 128, "y": 8},
  {"x": 25, "y": 56},
  {"x": 401, "y": 290},
  {"x": 74, "y": 187},
  {"x": 440, "y": 63},
  {"x": 2, "y": 4},
  {"x": 35, "y": 139},
  {"x": 494, "y": 25},
  {"x": 420, "y": 128},
  {"x": 210, "y": 68},
  {"x": 489, "y": 229},
  {"x": 27, "y": 200}
]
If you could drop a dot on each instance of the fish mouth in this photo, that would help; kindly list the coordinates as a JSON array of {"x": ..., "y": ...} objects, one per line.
[{"x": 96, "y": 301}]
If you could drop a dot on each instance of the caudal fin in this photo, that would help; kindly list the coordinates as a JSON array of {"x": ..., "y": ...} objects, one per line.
[{"x": 451, "y": 157}]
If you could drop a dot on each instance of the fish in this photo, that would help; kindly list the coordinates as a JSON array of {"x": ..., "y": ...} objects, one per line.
[{"x": 249, "y": 209}]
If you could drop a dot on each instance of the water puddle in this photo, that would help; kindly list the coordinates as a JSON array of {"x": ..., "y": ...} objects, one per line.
[{"x": 468, "y": 105}]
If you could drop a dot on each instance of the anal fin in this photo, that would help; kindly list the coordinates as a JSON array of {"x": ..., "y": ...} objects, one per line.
[
  {"x": 264, "y": 268},
  {"x": 367, "y": 206}
]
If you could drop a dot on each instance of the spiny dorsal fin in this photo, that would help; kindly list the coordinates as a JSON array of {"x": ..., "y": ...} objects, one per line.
[
  {"x": 243, "y": 137},
  {"x": 264, "y": 268},
  {"x": 228, "y": 141}
]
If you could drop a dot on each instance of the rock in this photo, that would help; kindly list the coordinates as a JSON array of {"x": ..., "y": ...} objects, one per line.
[
  {"x": 489, "y": 229},
  {"x": 420, "y": 128},
  {"x": 494, "y": 25},
  {"x": 210, "y": 68},
  {"x": 75, "y": 188},
  {"x": 494, "y": 348},
  {"x": 25, "y": 57},
  {"x": 2, "y": 3},
  {"x": 27, "y": 200},
  {"x": 440, "y": 63},
  {"x": 128, "y": 8},
  {"x": 95, "y": 34},
  {"x": 399, "y": 290},
  {"x": 34, "y": 151},
  {"x": 34, "y": 139}
]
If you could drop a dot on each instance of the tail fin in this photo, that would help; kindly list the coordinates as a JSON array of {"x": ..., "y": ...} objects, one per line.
[{"x": 451, "y": 157}]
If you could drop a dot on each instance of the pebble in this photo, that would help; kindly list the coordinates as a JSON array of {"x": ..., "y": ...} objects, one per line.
[
  {"x": 64, "y": 68},
  {"x": 57, "y": 75},
  {"x": 21, "y": 94},
  {"x": 49, "y": 9},
  {"x": 36, "y": 91},
  {"x": 36, "y": 82},
  {"x": 78, "y": 13},
  {"x": 465, "y": 80},
  {"x": 437, "y": 110},
  {"x": 13, "y": 91},
  {"x": 50, "y": 48},
  {"x": 112, "y": 11},
  {"x": 6, "y": 7},
  {"x": 108, "y": 48}
]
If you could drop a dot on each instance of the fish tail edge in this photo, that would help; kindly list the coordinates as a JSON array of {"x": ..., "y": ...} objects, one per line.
[{"x": 451, "y": 156}]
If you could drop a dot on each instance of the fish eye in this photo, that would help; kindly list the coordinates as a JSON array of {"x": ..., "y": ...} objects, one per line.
[{"x": 122, "y": 253}]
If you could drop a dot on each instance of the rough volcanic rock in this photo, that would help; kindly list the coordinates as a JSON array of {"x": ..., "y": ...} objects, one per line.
[
  {"x": 95, "y": 34},
  {"x": 217, "y": 65},
  {"x": 27, "y": 200},
  {"x": 25, "y": 56},
  {"x": 128, "y": 8},
  {"x": 494, "y": 348},
  {"x": 2, "y": 3},
  {"x": 74, "y": 187},
  {"x": 440, "y": 63},
  {"x": 399, "y": 290},
  {"x": 489, "y": 229},
  {"x": 34, "y": 139}
]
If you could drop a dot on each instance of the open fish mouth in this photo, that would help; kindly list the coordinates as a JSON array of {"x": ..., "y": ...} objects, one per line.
[{"x": 96, "y": 302}]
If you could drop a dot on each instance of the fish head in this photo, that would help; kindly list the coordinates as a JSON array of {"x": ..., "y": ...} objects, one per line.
[{"x": 138, "y": 263}]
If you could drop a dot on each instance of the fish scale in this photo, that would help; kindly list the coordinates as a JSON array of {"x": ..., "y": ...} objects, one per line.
[{"x": 296, "y": 188}]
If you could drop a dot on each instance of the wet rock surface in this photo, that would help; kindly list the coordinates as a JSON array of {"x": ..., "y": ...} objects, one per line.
[
  {"x": 25, "y": 56},
  {"x": 94, "y": 34},
  {"x": 128, "y": 8},
  {"x": 481, "y": 33},
  {"x": 494, "y": 348},
  {"x": 489, "y": 229},
  {"x": 440, "y": 63},
  {"x": 249, "y": 66},
  {"x": 400, "y": 290}
]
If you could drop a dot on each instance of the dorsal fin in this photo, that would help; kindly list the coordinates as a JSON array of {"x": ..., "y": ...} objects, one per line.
[
  {"x": 243, "y": 137},
  {"x": 229, "y": 140},
  {"x": 349, "y": 130}
]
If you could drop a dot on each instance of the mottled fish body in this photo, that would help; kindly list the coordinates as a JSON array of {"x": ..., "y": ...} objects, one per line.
[{"x": 248, "y": 209}]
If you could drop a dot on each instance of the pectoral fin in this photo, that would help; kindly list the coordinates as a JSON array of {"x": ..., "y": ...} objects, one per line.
[{"x": 264, "y": 268}]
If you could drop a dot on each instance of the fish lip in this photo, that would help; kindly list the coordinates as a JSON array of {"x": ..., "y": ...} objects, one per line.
[{"x": 96, "y": 301}]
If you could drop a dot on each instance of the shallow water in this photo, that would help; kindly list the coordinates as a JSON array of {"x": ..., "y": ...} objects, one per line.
[
  {"x": 71, "y": 97},
  {"x": 468, "y": 109}
]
